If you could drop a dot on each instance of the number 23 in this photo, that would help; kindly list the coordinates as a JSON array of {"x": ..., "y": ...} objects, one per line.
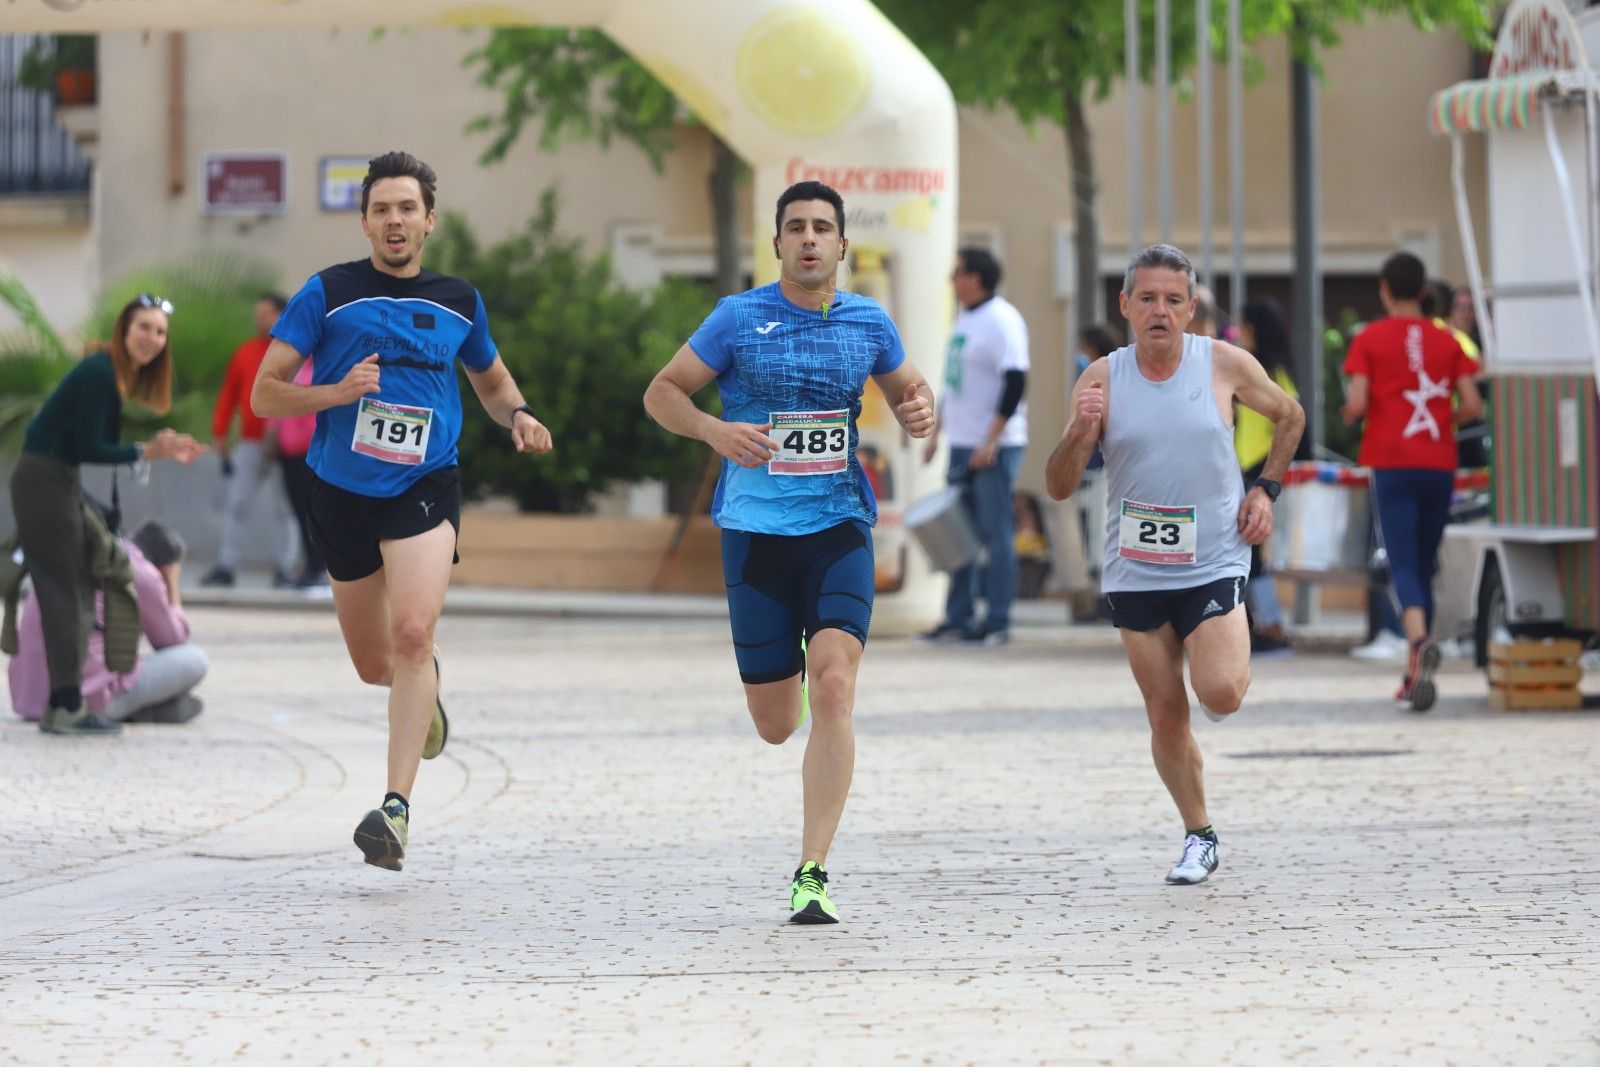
[{"x": 1148, "y": 532}]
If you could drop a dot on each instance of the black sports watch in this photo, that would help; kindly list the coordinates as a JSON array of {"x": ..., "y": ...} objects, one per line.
[
  {"x": 523, "y": 407},
  {"x": 1269, "y": 487}
]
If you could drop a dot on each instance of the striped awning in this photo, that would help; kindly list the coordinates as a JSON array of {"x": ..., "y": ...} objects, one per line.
[{"x": 1502, "y": 103}]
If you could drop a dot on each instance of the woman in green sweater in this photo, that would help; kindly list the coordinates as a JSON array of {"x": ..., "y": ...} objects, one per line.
[{"x": 81, "y": 422}]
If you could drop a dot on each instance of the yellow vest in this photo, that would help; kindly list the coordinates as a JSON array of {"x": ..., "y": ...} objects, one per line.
[{"x": 1252, "y": 431}]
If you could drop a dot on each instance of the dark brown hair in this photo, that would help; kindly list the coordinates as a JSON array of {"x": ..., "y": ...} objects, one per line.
[
  {"x": 150, "y": 385},
  {"x": 399, "y": 165}
]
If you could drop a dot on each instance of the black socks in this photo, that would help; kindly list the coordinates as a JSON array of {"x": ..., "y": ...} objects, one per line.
[
  {"x": 69, "y": 697},
  {"x": 1204, "y": 831}
]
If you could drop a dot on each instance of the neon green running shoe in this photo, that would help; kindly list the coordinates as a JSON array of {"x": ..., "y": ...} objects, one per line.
[
  {"x": 805, "y": 689},
  {"x": 808, "y": 896},
  {"x": 381, "y": 836},
  {"x": 439, "y": 728}
]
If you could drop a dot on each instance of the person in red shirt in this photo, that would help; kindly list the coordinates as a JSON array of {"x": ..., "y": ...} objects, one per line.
[
  {"x": 247, "y": 463},
  {"x": 1404, "y": 372}
]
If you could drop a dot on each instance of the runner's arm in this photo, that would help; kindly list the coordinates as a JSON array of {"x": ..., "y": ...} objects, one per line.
[
  {"x": 1063, "y": 472},
  {"x": 498, "y": 393},
  {"x": 1471, "y": 399},
  {"x": 1355, "y": 399},
  {"x": 670, "y": 401},
  {"x": 276, "y": 395},
  {"x": 910, "y": 397},
  {"x": 1253, "y": 388}
]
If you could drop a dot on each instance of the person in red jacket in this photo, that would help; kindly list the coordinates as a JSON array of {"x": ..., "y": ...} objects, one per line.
[
  {"x": 248, "y": 464},
  {"x": 1404, "y": 372}
]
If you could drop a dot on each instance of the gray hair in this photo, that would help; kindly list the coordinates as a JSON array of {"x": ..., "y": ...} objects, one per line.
[{"x": 1166, "y": 257}]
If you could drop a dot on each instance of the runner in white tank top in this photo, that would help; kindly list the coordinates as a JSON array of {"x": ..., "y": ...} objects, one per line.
[{"x": 1177, "y": 531}]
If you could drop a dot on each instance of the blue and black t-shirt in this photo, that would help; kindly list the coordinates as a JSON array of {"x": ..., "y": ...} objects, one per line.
[
  {"x": 418, "y": 327},
  {"x": 804, "y": 372}
]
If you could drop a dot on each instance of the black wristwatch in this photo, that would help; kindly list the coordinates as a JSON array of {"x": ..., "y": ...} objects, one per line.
[
  {"x": 1269, "y": 487},
  {"x": 522, "y": 407}
]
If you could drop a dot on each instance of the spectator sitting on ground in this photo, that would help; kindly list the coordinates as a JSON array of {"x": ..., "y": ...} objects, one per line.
[{"x": 158, "y": 689}]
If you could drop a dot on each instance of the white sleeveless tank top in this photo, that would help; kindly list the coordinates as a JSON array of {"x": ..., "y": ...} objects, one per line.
[{"x": 1172, "y": 478}]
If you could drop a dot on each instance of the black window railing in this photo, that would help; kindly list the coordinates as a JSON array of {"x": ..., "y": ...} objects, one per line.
[{"x": 37, "y": 155}]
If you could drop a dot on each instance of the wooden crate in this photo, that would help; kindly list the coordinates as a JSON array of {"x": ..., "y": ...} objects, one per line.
[{"x": 1535, "y": 675}]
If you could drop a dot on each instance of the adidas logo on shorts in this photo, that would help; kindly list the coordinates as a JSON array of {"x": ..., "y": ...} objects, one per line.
[{"x": 1212, "y": 608}]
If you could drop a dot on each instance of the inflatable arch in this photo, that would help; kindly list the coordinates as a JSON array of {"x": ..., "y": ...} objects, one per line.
[{"x": 823, "y": 89}]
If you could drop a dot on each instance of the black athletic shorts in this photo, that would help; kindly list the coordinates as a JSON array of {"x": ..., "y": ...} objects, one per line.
[
  {"x": 1185, "y": 609},
  {"x": 781, "y": 589},
  {"x": 346, "y": 527}
]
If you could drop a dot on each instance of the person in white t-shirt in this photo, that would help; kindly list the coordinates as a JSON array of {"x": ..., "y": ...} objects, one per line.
[{"x": 983, "y": 415}]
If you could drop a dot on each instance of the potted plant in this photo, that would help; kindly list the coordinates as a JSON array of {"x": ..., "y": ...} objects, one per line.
[{"x": 62, "y": 65}]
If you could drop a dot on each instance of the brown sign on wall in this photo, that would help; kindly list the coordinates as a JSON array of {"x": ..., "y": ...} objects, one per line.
[{"x": 244, "y": 183}]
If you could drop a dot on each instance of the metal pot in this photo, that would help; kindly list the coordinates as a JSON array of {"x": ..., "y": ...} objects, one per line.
[{"x": 941, "y": 525}]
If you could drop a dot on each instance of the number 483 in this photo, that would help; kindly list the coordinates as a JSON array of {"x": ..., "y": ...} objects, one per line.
[{"x": 815, "y": 441}]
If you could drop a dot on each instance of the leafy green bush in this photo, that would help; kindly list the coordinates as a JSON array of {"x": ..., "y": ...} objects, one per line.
[
  {"x": 583, "y": 348},
  {"x": 32, "y": 360},
  {"x": 1337, "y": 437},
  {"x": 213, "y": 299}
]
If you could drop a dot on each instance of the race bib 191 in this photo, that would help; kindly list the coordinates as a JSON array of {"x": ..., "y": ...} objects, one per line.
[
  {"x": 810, "y": 442},
  {"x": 1155, "y": 533},
  {"x": 394, "y": 433}
]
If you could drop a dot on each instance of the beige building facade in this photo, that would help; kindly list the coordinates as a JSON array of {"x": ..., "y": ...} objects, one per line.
[{"x": 328, "y": 94}]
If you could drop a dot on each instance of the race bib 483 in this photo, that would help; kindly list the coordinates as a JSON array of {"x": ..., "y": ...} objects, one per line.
[{"x": 810, "y": 442}]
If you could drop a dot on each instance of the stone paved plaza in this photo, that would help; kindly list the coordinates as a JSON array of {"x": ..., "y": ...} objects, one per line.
[{"x": 599, "y": 866}]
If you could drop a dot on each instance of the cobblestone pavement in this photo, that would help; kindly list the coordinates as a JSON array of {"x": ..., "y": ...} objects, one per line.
[{"x": 599, "y": 866}]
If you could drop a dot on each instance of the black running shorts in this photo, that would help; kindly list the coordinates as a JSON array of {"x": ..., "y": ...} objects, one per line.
[
  {"x": 781, "y": 589},
  {"x": 346, "y": 527},
  {"x": 1185, "y": 609}
]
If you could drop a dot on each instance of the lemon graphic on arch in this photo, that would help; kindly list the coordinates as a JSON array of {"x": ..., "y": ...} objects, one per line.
[{"x": 800, "y": 73}]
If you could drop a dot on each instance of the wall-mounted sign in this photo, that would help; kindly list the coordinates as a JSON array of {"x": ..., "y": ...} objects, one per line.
[
  {"x": 244, "y": 183},
  {"x": 339, "y": 182}
]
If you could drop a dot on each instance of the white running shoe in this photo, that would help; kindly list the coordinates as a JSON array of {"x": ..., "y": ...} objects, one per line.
[
  {"x": 1199, "y": 860},
  {"x": 1387, "y": 647}
]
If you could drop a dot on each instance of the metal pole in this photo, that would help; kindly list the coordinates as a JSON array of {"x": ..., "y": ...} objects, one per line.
[
  {"x": 1235, "y": 161},
  {"x": 1202, "y": 100},
  {"x": 1574, "y": 235},
  {"x": 1469, "y": 247},
  {"x": 1164, "y": 115},
  {"x": 1130, "y": 63},
  {"x": 1307, "y": 251}
]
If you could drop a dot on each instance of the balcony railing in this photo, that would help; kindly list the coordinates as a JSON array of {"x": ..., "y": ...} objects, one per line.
[{"x": 37, "y": 155}]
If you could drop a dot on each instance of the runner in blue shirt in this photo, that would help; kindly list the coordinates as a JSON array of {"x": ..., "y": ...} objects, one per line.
[
  {"x": 383, "y": 336},
  {"x": 790, "y": 361}
]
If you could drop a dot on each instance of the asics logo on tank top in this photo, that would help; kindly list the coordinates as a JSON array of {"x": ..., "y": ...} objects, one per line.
[{"x": 1422, "y": 420}]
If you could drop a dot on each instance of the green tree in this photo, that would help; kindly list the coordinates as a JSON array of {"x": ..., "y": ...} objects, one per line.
[
  {"x": 579, "y": 85},
  {"x": 1047, "y": 59},
  {"x": 583, "y": 347}
]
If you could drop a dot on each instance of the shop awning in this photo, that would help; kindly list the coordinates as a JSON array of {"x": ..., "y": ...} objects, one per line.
[{"x": 1503, "y": 103}]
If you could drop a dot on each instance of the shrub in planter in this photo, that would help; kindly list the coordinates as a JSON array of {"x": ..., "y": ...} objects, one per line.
[
  {"x": 62, "y": 65},
  {"x": 583, "y": 348}
]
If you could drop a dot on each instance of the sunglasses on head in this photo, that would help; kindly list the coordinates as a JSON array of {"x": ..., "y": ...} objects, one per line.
[{"x": 160, "y": 303}]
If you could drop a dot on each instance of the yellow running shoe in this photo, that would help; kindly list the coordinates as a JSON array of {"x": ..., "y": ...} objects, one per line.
[
  {"x": 808, "y": 896},
  {"x": 381, "y": 836},
  {"x": 439, "y": 728}
]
